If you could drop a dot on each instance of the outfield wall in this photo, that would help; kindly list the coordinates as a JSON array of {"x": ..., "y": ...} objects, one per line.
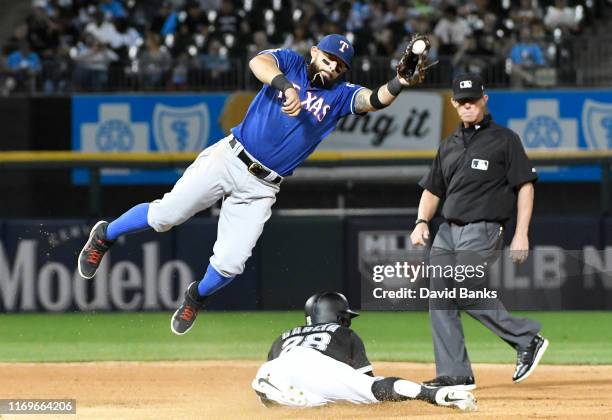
[
  {"x": 294, "y": 258},
  {"x": 547, "y": 120}
]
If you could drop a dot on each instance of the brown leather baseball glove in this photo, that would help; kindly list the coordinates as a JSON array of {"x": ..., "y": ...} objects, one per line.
[{"x": 411, "y": 66}]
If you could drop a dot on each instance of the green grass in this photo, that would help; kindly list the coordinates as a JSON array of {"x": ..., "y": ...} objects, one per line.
[{"x": 576, "y": 337}]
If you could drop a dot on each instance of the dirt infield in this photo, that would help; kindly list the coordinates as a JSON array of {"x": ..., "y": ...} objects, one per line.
[{"x": 221, "y": 389}]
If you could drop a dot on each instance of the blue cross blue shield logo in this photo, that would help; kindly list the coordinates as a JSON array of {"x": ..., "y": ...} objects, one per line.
[
  {"x": 181, "y": 129},
  {"x": 597, "y": 124}
]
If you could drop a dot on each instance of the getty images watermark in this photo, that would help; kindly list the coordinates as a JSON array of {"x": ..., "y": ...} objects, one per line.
[
  {"x": 411, "y": 273},
  {"x": 550, "y": 278}
]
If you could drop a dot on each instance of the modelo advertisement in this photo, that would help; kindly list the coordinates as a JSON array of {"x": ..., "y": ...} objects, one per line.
[
  {"x": 144, "y": 272},
  {"x": 568, "y": 268}
]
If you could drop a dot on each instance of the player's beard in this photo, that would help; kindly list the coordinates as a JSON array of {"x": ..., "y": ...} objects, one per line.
[{"x": 317, "y": 79}]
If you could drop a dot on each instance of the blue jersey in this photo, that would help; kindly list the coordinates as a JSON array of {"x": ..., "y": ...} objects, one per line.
[{"x": 282, "y": 142}]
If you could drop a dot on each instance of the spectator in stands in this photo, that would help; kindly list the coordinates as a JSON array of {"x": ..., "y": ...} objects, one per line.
[
  {"x": 423, "y": 8},
  {"x": 357, "y": 16},
  {"x": 527, "y": 11},
  {"x": 540, "y": 37},
  {"x": 299, "y": 41},
  {"x": 313, "y": 19},
  {"x": 20, "y": 35},
  {"x": 470, "y": 58},
  {"x": 196, "y": 19},
  {"x": 341, "y": 15},
  {"x": 524, "y": 58},
  {"x": 376, "y": 27},
  {"x": 563, "y": 16},
  {"x": 183, "y": 39},
  {"x": 180, "y": 72},
  {"x": 126, "y": 38},
  {"x": 420, "y": 24},
  {"x": 210, "y": 4},
  {"x": 164, "y": 20},
  {"x": 43, "y": 32},
  {"x": 154, "y": 62},
  {"x": 228, "y": 20},
  {"x": 384, "y": 45},
  {"x": 24, "y": 59},
  {"x": 260, "y": 43},
  {"x": 451, "y": 31},
  {"x": 491, "y": 38},
  {"x": 92, "y": 61},
  {"x": 215, "y": 62},
  {"x": 23, "y": 66},
  {"x": 112, "y": 9},
  {"x": 103, "y": 30},
  {"x": 56, "y": 73}
]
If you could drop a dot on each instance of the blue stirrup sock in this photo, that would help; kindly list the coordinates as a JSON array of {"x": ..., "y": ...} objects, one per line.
[
  {"x": 212, "y": 282},
  {"x": 133, "y": 220}
]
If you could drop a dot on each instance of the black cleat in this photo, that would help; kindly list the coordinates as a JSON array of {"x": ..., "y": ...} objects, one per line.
[
  {"x": 186, "y": 314},
  {"x": 527, "y": 359},
  {"x": 97, "y": 245},
  {"x": 460, "y": 383}
]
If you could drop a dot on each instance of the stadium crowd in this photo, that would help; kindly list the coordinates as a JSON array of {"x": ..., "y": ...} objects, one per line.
[{"x": 75, "y": 45}]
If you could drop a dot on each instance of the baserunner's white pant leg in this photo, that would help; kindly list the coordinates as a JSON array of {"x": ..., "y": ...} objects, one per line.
[
  {"x": 317, "y": 378},
  {"x": 203, "y": 183},
  {"x": 243, "y": 215}
]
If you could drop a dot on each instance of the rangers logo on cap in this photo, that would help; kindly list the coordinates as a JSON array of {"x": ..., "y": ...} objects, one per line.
[{"x": 339, "y": 46}]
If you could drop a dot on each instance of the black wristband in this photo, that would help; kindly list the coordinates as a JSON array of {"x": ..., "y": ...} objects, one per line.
[
  {"x": 375, "y": 102},
  {"x": 394, "y": 86},
  {"x": 421, "y": 221},
  {"x": 281, "y": 83}
]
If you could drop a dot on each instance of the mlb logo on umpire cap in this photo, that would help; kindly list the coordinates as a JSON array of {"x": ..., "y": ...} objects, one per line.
[
  {"x": 468, "y": 85},
  {"x": 339, "y": 46}
]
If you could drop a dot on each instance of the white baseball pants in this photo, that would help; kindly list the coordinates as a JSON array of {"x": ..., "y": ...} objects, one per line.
[{"x": 304, "y": 377}]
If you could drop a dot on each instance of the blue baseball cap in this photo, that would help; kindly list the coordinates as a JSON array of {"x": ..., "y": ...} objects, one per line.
[{"x": 339, "y": 46}]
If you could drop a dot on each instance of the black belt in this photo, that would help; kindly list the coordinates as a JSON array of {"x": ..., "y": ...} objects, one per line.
[
  {"x": 255, "y": 167},
  {"x": 461, "y": 223}
]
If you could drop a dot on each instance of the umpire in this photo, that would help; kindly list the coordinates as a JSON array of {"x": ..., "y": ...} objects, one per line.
[{"x": 481, "y": 171}]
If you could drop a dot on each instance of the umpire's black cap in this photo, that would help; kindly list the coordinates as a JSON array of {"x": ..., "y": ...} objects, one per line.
[{"x": 468, "y": 85}]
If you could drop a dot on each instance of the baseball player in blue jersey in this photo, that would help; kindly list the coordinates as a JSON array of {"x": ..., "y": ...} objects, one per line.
[{"x": 298, "y": 106}]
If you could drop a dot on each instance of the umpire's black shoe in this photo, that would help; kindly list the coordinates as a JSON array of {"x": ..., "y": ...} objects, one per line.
[
  {"x": 97, "y": 245},
  {"x": 527, "y": 359},
  {"x": 460, "y": 383},
  {"x": 186, "y": 314}
]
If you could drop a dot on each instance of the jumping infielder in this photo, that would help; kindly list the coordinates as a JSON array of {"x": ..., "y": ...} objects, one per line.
[
  {"x": 298, "y": 106},
  {"x": 325, "y": 361}
]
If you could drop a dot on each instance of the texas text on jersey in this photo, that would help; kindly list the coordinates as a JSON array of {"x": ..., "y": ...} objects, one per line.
[{"x": 330, "y": 339}]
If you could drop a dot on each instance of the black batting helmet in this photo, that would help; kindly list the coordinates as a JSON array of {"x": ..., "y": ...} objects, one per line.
[{"x": 328, "y": 307}]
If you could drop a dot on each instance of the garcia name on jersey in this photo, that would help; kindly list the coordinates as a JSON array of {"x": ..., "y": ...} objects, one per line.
[{"x": 331, "y": 339}]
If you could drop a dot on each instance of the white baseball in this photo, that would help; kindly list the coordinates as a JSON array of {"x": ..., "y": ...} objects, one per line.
[{"x": 419, "y": 46}]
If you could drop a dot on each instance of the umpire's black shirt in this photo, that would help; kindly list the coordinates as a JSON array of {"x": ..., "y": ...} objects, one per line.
[{"x": 476, "y": 171}]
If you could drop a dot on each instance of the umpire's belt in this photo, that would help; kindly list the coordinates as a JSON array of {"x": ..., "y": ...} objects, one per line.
[{"x": 255, "y": 167}]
